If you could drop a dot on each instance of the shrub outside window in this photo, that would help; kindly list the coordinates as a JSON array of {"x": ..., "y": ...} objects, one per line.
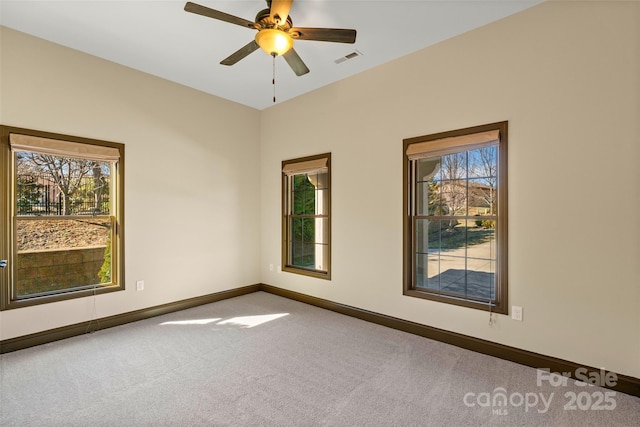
[
  {"x": 306, "y": 216},
  {"x": 455, "y": 217},
  {"x": 63, "y": 210}
]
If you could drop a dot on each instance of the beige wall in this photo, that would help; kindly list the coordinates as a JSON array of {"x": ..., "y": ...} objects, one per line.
[
  {"x": 566, "y": 75},
  {"x": 192, "y": 174}
]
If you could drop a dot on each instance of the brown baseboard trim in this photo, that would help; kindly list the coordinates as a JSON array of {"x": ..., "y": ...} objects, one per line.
[
  {"x": 63, "y": 332},
  {"x": 625, "y": 384}
]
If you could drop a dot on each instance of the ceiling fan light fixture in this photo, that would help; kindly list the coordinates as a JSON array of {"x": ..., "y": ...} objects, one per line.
[{"x": 274, "y": 41}]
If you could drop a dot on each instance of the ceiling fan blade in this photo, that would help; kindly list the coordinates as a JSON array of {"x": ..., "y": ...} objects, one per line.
[
  {"x": 281, "y": 9},
  {"x": 240, "y": 53},
  {"x": 216, "y": 14},
  {"x": 295, "y": 62},
  {"x": 337, "y": 35}
]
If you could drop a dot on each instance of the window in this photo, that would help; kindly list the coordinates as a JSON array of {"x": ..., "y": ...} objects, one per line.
[
  {"x": 306, "y": 216},
  {"x": 455, "y": 217},
  {"x": 62, "y": 212}
]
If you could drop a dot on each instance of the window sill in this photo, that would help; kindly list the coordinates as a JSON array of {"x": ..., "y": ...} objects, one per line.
[
  {"x": 307, "y": 272},
  {"x": 494, "y": 307}
]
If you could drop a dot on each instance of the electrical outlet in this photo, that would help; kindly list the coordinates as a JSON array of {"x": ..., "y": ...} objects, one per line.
[
  {"x": 140, "y": 285},
  {"x": 516, "y": 313},
  {"x": 270, "y": 267}
]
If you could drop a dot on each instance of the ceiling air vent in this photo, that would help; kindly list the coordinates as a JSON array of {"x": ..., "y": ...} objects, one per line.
[{"x": 345, "y": 58}]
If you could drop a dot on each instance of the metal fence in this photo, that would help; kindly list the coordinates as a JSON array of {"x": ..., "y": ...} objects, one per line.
[{"x": 41, "y": 195}]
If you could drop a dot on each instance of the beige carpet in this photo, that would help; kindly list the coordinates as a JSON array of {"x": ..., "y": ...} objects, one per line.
[{"x": 263, "y": 360}]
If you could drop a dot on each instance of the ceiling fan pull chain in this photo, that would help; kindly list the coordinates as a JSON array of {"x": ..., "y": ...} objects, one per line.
[{"x": 273, "y": 81}]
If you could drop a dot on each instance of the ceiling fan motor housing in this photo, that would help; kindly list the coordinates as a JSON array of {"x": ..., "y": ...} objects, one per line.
[{"x": 263, "y": 19}]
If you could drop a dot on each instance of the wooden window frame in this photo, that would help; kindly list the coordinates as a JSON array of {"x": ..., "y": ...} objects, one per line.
[
  {"x": 299, "y": 165},
  {"x": 445, "y": 142},
  {"x": 8, "y": 299}
]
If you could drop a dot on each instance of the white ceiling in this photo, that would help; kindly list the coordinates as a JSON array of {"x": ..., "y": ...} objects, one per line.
[{"x": 160, "y": 38}]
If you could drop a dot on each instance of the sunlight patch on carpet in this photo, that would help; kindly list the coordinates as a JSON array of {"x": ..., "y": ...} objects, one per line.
[
  {"x": 251, "y": 321},
  {"x": 241, "y": 321},
  {"x": 191, "y": 322}
]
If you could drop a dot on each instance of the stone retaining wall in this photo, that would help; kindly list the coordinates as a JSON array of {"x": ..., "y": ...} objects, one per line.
[{"x": 49, "y": 270}]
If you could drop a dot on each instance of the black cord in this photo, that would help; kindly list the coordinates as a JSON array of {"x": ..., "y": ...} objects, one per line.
[{"x": 273, "y": 81}]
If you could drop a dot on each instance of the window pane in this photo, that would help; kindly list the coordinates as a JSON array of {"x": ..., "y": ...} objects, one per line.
[
  {"x": 310, "y": 194},
  {"x": 300, "y": 182},
  {"x": 321, "y": 232},
  {"x": 303, "y": 254},
  {"x": 422, "y": 235},
  {"x": 454, "y": 197},
  {"x": 304, "y": 200},
  {"x": 428, "y": 199},
  {"x": 428, "y": 234},
  {"x": 302, "y": 229},
  {"x": 453, "y": 234},
  {"x": 453, "y": 272},
  {"x": 321, "y": 202},
  {"x": 483, "y": 162},
  {"x": 310, "y": 201},
  {"x": 481, "y": 244},
  {"x": 459, "y": 260},
  {"x": 319, "y": 180},
  {"x": 481, "y": 263},
  {"x": 427, "y": 169},
  {"x": 421, "y": 269},
  {"x": 481, "y": 285},
  {"x": 435, "y": 234},
  {"x": 428, "y": 271},
  {"x": 453, "y": 184},
  {"x": 61, "y": 254},
  {"x": 309, "y": 243},
  {"x": 321, "y": 256},
  {"x": 296, "y": 252},
  {"x": 52, "y": 185},
  {"x": 422, "y": 199},
  {"x": 428, "y": 195},
  {"x": 483, "y": 196},
  {"x": 454, "y": 166}
]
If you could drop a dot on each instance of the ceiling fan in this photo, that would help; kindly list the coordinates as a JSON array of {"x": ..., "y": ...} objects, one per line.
[{"x": 275, "y": 33}]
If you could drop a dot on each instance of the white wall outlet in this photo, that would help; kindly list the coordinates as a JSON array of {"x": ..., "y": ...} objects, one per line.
[
  {"x": 516, "y": 313},
  {"x": 270, "y": 267},
  {"x": 140, "y": 285}
]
